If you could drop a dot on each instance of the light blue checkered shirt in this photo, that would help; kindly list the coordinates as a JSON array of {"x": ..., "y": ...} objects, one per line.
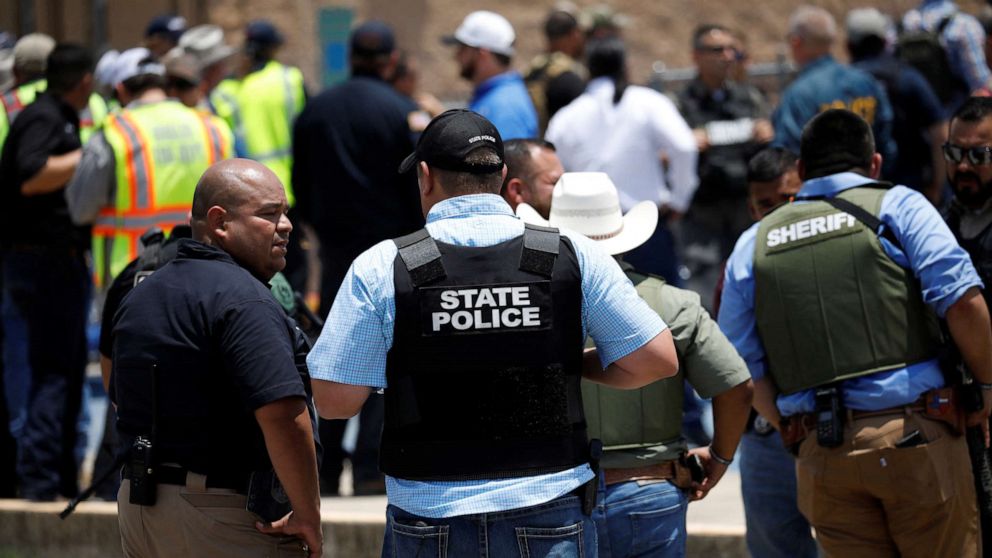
[{"x": 358, "y": 334}]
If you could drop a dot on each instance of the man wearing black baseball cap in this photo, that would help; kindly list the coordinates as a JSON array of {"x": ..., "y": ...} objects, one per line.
[{"x": 475, "y": 326}]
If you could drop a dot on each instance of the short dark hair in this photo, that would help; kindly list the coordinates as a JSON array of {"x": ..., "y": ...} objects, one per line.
[
  {"x": 559, "y": 24},
  {"x": 703, "y": 30},
  {"x": 974, "y": 109},
  {"x": 68, "y": 64},
  {"x": 461, "y": 183},
  {"x": 516, "y": 155},
  {"x": 868, "y": 47},
  {"x": 770, "y": 164},
  {"x": 836, "y": 140},
  {"x": 141, "y": 83}
]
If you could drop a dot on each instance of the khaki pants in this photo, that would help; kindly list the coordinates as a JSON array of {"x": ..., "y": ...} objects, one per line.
[
  {"x": 194, "y": 521},
  {"x": 868, "y": 498}
]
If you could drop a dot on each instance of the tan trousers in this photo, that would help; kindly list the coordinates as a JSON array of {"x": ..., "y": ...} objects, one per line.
[
  {"x": 868, "y": 498},
  {"x": 195, "y": 521}
]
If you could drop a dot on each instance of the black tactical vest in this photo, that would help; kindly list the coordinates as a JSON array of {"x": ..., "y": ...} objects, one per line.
[
  {"x": 484, "y": 372},
  {"x": 979, "y": 248}
]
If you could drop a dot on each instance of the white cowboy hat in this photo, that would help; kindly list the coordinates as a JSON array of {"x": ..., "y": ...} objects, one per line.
[{"x": 587, "y": 203}]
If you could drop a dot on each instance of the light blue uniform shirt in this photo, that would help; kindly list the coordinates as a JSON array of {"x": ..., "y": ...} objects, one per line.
[
  {"x": 943, "y": 268},
  {"x": 359, "y": 333},
  {"x": 504, "y": 100}
]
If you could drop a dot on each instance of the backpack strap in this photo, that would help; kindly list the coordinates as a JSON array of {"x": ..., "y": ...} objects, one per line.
[
  {"x": 540, "y": 249},
  {"x": 421, "y": 257}
]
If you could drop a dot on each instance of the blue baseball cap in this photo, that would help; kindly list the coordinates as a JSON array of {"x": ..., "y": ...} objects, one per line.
[
  {"x": 170, "y": 25},
  {"x": 261, "y": 31}
]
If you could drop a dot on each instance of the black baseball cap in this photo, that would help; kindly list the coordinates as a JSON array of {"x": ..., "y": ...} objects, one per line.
[
  {"x": 450, "y": 137},
  {"x": 372, "y": 38}
]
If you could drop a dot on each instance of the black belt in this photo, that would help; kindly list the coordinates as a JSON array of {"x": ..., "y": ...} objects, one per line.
[{"x": 168, "y": 474}]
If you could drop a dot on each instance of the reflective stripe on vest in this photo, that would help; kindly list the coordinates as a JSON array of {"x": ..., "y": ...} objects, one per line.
[
  {"x": 261, "y": 110},
  {"x": 135, "y": 160},
  {"x": 160, "y": 149}
]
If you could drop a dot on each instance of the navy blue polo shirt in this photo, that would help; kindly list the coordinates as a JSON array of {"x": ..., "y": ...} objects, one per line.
[
  {"x": 347, "y": 145},
  {"x": 222, "y": 347}
]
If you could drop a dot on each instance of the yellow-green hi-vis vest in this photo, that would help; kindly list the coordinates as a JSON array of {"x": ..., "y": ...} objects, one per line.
[
  {"x": 160, "y": 151},
  {"x": 635, "y": 419},
  {"x": 261, "y": 109},
  {"x": 830, "y": 304},
  {"x": 90, "y": 118}
]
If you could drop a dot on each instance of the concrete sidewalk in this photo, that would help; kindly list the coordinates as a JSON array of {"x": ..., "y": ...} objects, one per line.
[{"x": 353, "y": 527}]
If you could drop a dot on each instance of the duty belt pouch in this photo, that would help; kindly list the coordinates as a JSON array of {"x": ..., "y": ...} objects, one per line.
[
  {"x": 944, "y": 405},
  {"x": 266, "y": 496},
  {"x": 590, "y": 490},
  {"x": 144, "y": 484},
  {"x": 793, "y": 433}
]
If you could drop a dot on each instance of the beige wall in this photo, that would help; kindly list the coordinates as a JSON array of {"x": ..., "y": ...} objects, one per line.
[{"x": 659, "y": 29}]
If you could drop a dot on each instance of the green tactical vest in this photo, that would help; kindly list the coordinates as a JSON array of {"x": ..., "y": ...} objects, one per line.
[
  {"x": 829, "y": 303},
  {"x": 638, "y": 419},
  {"x": 261, "y": 110}
]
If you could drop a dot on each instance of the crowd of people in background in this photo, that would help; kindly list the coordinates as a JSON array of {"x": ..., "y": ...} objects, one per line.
[{"x": 100, "y": 158}]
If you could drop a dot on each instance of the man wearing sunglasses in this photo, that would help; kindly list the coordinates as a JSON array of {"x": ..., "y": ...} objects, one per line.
[{"x": 968, "y": 153}]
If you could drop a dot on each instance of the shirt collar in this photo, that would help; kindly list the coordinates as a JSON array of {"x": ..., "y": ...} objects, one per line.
[
  {"x": 832, "y": 184},
  {"x": 599, "y": 84},
  {"x": 471, "y": 205},
  {"x": 496, "y": 81}
]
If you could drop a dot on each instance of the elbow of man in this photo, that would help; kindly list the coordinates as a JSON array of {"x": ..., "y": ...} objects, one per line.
[
  {"x": 338, "y": 401},
  {"x": 666, "y": 358},
  {"x": 741, "y": 395}
]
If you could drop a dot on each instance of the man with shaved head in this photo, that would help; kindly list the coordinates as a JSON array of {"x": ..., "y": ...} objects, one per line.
[
  {"x": 211, "y": 389},
  {"x": 824, "y": 83}
]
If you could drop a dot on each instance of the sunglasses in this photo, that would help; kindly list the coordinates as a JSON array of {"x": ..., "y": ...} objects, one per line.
[{"x": 980, "y": 155}]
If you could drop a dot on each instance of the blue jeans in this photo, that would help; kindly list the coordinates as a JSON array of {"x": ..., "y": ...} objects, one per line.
[
  {"x": 51, "y": 289},
  {"x": 16, "y": 371},
  {"x": 556, "y": 529},
  {"x": 641, "y": 518},
  {"x": 775, "y": 528}
]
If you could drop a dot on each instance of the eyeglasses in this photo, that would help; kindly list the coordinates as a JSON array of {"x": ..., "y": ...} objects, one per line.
[{"x": 980, "y": 155}]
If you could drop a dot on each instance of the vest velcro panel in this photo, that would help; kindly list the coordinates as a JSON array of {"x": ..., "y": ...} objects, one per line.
[{"x": 829, "y": 302}]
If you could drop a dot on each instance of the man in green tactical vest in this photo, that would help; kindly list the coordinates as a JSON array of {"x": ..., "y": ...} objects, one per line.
[
  {"x": 832, "y": 300},
  {"x": 645, "y": 463}
]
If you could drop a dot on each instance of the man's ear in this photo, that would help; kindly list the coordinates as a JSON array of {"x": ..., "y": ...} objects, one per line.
[
  {"x": 426, "y": 180},
  {"x": 217, "y": 222},
  {"x": 514, "y": 193},
  {"x": 876, "y": 166}
]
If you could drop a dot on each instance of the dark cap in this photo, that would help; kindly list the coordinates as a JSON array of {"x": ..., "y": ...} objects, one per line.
[
  {"x": 372, "y": 38},
  {"x": 171, "y": 25},
  {"x": 261, "y": 31},
  {"x": 450, "y": 137}
]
